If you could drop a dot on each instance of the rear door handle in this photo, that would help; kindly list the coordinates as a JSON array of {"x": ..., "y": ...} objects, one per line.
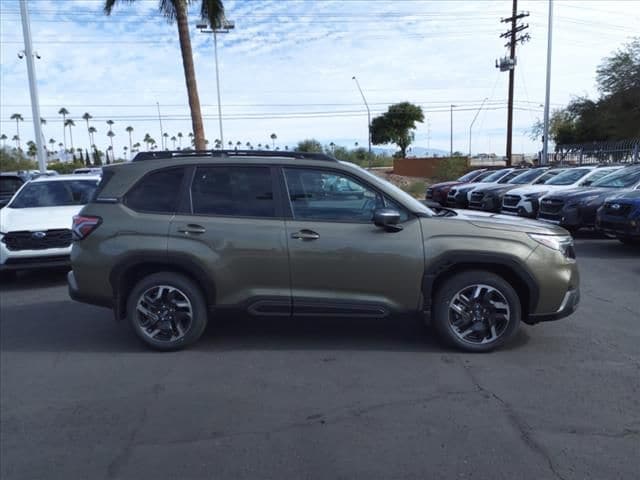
[
  {"x": 192, "y": 229},
  {"x": 305, "y": 235}
]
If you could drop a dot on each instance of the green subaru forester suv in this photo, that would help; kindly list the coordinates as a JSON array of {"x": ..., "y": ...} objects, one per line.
[{"x": 173, "y": 238}]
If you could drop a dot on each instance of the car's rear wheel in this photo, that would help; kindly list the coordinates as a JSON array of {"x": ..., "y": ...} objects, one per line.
[
  {"x": 167, "y": 311},
  {"x": 476, "y": 311}
]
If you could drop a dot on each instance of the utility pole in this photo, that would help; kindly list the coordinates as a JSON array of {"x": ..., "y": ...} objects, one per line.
[
  {"x": 161, "y": 131},
  {"x": 545, "y": 134},
  {"x": 368, "y": 116},
  {"x": 33, "y": 85},
  {"x": 509, "y": 63},
  {"x": 451, "y": 133}
]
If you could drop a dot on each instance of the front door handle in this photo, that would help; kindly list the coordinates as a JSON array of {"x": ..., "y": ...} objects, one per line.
[
  {"x": 305, "y": 235},
  {"x": 192, "y": 229}
]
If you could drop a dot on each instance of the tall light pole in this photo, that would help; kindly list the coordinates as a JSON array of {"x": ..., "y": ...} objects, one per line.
[
  {"x": 161, "y": 131},
  {"x": 368, "y": 115},
  {"x": 545, "y": 134},
  {"x": 451, "y": 133},
  {"x": 33, "y": 85},
  {"x": 226, "y": 26},
  {"x": 474, "y": 121}
]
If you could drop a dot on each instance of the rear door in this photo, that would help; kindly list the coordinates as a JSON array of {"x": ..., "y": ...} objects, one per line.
[
  {"x": 341, "y": 263},
  {"x": 232, "y": 226}
]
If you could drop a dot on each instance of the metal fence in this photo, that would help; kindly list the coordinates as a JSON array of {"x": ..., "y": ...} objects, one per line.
[{"x": 625, "y": 151}]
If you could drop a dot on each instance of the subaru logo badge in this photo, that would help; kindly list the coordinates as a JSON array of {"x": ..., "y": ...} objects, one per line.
[
  {"x": 615, "y": 206},
  {"x": 39, "y": 235}
]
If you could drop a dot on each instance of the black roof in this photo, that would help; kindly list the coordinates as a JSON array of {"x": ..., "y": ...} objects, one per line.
[{"x": 164, "y": 154}]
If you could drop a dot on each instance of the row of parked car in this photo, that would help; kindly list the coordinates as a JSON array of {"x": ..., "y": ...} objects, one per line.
[{"x": 605, "y": 197}]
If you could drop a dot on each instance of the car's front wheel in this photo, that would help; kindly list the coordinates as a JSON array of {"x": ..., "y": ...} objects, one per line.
[
  {"x": 167, "y": 311},
  {"x": 476, "y": 311}
]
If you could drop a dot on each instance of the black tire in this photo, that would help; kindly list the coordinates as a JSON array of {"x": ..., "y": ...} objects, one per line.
[
  {"x": 186, "y": 287},
  {"x": 442, "y": 314}
]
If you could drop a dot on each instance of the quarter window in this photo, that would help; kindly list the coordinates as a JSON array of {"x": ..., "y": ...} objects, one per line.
[
  {"x": 158, "y": 192},
  {"x": 325, "y": 195},
  {"x": 233, "y": 191}
]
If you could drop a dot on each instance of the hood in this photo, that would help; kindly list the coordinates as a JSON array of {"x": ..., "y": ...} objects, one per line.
[
  {"x": 35, "y": 219},
  {"x": 498, "y": 188},
  {"x": 437, "y": 186},
  {"x": 577, "y": 194},
  {"x": 496, "y": 221},
  {"x": 628, "y": 196},
  {"x": 467, "y": 187}
]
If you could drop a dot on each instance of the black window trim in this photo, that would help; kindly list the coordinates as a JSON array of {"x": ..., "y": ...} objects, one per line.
[
  {"x": 149, "y": 173},
  {"x": 357, "y": 179},
  {"x": 186, "y": 204}
]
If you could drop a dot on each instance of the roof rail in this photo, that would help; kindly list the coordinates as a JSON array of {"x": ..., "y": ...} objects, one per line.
[{"x": 164, "y": 154}]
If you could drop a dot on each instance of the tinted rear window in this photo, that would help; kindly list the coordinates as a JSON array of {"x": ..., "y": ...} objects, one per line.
[
  {"x": 526, "y": 177},
  {"x": 624, "y": 178},
  {"x": 158, "y": 192},
  {"x": 9, "y": 185},
  {"x": 233, "y": 191}
]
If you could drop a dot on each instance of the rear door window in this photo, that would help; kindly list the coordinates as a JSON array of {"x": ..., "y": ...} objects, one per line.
[
  {"x": 158, "y": 192},
  {"x": 239, "y": 191}
]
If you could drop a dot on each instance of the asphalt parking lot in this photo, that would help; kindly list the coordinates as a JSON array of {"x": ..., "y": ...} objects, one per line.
[{"x": 82, "y": 398}]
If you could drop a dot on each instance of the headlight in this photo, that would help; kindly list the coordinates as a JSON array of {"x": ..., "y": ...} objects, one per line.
[{"x": 561, "y": 243}]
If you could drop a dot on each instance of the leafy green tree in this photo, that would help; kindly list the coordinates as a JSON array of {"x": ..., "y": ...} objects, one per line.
[
  {"x": 309, "y": 145},
  {"x": 32, "y": 149},
  {"x": 176, "y": 10},
  {"x": 397, "y": 126}
]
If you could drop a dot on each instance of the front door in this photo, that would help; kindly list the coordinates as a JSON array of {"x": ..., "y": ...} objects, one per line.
[
  {"x": 341, "y": 263},
  {"x": 233, "y": 228}
]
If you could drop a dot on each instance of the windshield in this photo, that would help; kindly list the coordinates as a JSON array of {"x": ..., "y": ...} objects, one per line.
[
  {"x": 483, "y": 176},
  {"x": 569, "y": 177},
  {"x": 410, "y": 202},
  {"x": 495, "y": 176},
  {"x": 601, "y": 173},
  {"x": 547, "y": 176},
  {"x": 526, "y": 177},
  {"x": 620, "y": 179},
  {"x": 467, "y": 177},
  {"x": 509, "y": 176},
  {"x": 54, "y": 194}
]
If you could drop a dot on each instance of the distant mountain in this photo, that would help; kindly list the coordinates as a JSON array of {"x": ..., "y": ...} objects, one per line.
[{"x": 415, "y": 151}]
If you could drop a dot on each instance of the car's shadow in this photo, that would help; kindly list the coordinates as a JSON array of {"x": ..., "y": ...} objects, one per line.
[
  {"x": 66, "y": 326},
  {"x": 32, "y": 279},
  {"x": 594, "y": 245}
]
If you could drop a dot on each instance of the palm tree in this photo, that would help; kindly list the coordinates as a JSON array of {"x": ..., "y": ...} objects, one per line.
[
  {"x": 230, "y": 144},
  {"x": 16, "y": 138},
  {"x": 136, "y": 147},
  {"x": 165, "y": 137},
  {"x": 286, "y": 147},
  {"x": 191, "y": 139},
  {"x": 52, "y": 142},
  {"x": 238, "y": 143},
  {"x": 173, "y": 140},
  {"x": 3, "y": 138},
  {"x": 273, "y": 139},
  {"x": 92, "y": 132},
  {"x": 110, "y": 134},
  {"x": 211, "y": 10},
  {"x": 179, "y": 140},
  {"x": 259, "y": 146},
  {"x": 86, "y": 117},
  {"x": 32, "y": 149},
  {"x": 266, "y": 147},
  {"x": 129, "y": 130},
  {"x": 64, "y": 112},
  {"x": 70, "y": 123},
  {"x": 18, "y": 118},
  {"x": 147, "y": 139},
  {"x": 248, "y": 145}
]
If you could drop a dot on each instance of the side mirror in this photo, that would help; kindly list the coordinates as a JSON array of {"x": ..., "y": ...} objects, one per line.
[
  {"x": 388, "y": 219},
  {"x": 586, "y": 183}
]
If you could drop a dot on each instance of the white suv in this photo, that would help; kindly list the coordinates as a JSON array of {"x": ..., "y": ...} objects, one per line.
[
  {"x": 35, "y": 226},
  {"x": 524, "y": 201}
]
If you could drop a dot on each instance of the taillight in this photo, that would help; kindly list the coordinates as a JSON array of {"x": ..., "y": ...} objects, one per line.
[{"x": 83, "y": 226}]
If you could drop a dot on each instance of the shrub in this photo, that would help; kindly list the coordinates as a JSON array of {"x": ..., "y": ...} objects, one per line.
[
  {"x": 451, "y": 168},
  {"x": 12, "y": 160}
]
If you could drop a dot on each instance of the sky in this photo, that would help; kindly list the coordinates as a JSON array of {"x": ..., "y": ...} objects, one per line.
[{"x": 287, "y": 68}]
